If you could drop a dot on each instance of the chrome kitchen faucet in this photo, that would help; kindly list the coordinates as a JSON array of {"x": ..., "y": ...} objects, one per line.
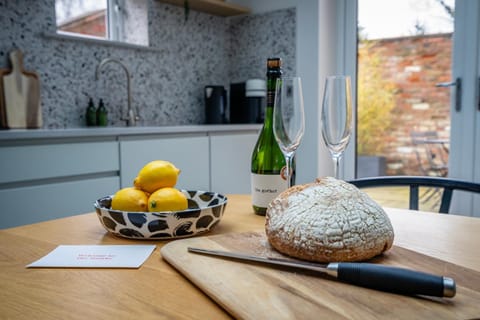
[{"x": 131, "y": 118}]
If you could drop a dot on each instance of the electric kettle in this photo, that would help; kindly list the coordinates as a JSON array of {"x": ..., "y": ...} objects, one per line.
[{"x": 215, "y": 104}]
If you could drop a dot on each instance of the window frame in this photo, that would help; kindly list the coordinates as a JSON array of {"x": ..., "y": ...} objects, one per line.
[{"x": 115, "y": 20}]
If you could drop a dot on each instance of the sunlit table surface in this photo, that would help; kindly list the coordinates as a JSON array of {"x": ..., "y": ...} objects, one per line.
[{"x": 158, "y": 291}]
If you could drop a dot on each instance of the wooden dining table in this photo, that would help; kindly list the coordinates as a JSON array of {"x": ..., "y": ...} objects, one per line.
[{"x": 157, "y": 290}]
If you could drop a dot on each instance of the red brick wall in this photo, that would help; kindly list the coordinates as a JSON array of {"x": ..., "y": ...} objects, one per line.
[
  {"x": 92, "y": 24},
  {"x": 415, "y": 64}
]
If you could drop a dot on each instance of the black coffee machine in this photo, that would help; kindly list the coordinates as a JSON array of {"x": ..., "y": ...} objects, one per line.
[
  {"x": 247, "y": 101},
  {"x": 215, "y": 105}
]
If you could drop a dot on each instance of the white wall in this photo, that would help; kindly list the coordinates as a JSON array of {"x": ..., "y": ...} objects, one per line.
[{"x": 310, "y": 63}]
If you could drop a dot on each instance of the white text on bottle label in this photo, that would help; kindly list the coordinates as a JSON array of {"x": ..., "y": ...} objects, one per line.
[{"x": 265, "y": 187}]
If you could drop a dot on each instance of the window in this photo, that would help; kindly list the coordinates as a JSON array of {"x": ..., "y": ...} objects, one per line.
[{"x": 117, "y": 20}]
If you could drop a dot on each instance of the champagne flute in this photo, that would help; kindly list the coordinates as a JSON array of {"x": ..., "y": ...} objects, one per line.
[
  {"x": 337, "y": 116},
  {"x": 288, "y": 119}
]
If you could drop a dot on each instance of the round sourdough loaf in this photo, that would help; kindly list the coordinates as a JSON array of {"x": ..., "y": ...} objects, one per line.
[{"x": 328, "y": 221}]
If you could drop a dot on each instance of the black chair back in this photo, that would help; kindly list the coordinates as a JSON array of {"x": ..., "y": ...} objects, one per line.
[{"x": 446, "y": 184}]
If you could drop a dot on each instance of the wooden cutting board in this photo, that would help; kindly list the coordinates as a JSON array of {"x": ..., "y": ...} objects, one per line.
[
  {"x": 252, "y": 291},
  {"x": 20, "y": 96}
]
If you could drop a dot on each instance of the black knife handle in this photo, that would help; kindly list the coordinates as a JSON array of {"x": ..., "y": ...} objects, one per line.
[{"x": 395, "y": 280}]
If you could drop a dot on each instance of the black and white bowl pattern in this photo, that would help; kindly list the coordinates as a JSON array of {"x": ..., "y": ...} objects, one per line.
[{"x": 205, "y": 209}]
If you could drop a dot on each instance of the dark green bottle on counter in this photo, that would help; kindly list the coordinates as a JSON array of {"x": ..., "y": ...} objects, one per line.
[
  {"x": 102, "y": 114},
  {"x": 268, "y": 162},
  {"x": 91, "y": 115}
]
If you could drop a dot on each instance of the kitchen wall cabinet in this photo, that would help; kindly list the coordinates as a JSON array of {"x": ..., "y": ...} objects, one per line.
[
  {"x": 216, "y": 7},
  {"x": 189, "y": 153}
]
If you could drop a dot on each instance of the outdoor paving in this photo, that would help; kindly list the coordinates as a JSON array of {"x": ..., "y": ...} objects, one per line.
[{"x": 397, "y": 197}]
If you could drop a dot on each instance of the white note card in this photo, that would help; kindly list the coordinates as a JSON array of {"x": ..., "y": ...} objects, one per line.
[{"x": 95, "y": 256}]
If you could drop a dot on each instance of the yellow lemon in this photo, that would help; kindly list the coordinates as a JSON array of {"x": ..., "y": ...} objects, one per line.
[
  {"x": 130, "y": 199},
  {"x": 155, "y": 175},
  {"x": 167, "y": 199}
]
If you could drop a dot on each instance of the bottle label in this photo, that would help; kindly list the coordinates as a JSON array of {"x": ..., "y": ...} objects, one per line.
[{"x": 265, "y": 187}]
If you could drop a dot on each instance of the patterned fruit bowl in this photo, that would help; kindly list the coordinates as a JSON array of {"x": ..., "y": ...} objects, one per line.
[{"x": 205, "y": 210}]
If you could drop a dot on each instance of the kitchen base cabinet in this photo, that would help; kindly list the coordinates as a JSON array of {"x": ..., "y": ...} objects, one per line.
[
  {"x": 47, "y": 174},
  {"x": 231, "y": 159},
  {"x": 47, "y": 179},
  {"x": 189, "y": 153},
  {"x": 32, "y": 204}
]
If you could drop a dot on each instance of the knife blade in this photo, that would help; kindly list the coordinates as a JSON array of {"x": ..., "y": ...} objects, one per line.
[{"x": 369, "y": 275}]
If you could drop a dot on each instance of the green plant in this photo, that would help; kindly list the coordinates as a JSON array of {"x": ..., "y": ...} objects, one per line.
[{"x": 375, "y": 102}]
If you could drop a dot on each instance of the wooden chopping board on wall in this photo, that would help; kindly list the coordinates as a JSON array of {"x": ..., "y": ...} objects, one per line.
[
  {"x": 252, "y": 291},
  {"x": 19, "y": 96}
]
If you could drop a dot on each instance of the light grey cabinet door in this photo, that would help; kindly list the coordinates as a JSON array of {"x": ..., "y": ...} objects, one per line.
[
  {"x": 47, "y": 160},
  {"x": 188, "y": 153},
  {"x": 35, "y": 203},
  {"x": 231, "y": 159}
]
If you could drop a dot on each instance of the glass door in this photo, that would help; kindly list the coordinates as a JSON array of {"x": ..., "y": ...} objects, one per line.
[
  {"x": 413, "y": 118},
  {"x": 403, "y": 92}
]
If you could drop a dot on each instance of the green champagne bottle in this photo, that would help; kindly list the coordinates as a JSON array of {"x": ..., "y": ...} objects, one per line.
[{"x": 268, "y": 163}]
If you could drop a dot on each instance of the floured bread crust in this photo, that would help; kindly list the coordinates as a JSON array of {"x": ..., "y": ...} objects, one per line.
[{"x": 328, "y": 221}]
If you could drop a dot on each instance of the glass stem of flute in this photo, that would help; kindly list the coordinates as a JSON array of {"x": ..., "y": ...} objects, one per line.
[
  {"x": 289, "y": 164},
  {"x": 336, "y": 165}
]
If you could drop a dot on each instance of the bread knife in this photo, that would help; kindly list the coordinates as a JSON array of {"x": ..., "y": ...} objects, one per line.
[{"x": 369, "y": 275}]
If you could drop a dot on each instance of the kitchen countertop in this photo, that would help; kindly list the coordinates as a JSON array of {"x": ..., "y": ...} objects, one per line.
[{"x": 85, "y": 132}]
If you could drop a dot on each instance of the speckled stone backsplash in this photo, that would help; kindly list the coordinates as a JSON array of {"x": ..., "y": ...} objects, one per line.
[{"x": 167, "y": 81}]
